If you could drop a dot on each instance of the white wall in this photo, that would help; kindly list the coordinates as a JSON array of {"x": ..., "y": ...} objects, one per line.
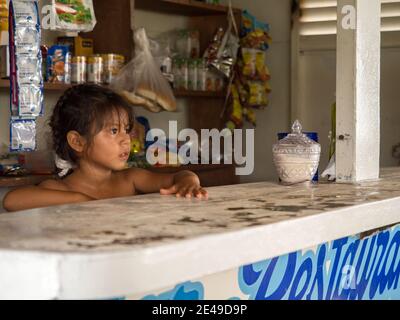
[
  {"x": 390, "y": 102},
  {"x": 317, "y": 74},
  {"x": 317, "y": 85}
]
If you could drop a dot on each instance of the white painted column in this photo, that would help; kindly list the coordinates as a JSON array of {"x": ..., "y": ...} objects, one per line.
[{"x": 358, "y": 91}]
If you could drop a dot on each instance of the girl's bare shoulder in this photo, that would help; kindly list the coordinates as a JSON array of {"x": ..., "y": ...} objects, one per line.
[{"x": 54, "y": 184}]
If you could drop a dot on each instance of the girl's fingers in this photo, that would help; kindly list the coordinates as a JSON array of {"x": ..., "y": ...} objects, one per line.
[
  {"x": 189, "y": 192},
  {"x": 197, "y": 194},
  {"x": 204, "y": 192}
]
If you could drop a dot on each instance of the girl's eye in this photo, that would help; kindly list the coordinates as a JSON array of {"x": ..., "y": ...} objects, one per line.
[{"x": 114, "y": 130}]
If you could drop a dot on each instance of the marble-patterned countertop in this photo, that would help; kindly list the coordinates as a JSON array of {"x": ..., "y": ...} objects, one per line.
[{"x": 147, "y": 242}]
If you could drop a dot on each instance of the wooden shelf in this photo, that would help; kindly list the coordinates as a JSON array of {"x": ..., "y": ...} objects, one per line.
[
  {"x": 203, "y": 94},
  {"x": 182, "y": 7},
  {"x": 4, "y": 83}
]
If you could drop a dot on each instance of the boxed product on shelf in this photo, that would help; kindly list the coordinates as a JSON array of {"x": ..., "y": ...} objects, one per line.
[{"x": 79, "y": 46}]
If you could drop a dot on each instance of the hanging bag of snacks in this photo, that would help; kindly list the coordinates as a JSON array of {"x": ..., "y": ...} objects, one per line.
[
  {"x": 250, "y": 87},
  {"x": 222, "y": 51}
]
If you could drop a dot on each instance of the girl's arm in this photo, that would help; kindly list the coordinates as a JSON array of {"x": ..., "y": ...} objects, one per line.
[
  {"x": 183, "y": 184},
  {"x": 38, "y": 196}
]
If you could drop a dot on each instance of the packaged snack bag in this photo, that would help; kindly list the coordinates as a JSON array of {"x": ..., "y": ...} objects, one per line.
[
  {"x": 254, "y": 66},
  {"x": 222, "y": 52},
  {"x": 257, "y": 94},
  {"x": 251, "y": 73},
  {"x": 22, "y": 134}
]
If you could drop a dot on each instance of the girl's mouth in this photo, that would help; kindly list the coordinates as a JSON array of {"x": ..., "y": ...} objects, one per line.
[{"x": 124, "y": 156}]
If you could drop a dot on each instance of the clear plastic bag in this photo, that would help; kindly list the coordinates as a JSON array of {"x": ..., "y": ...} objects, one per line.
[{"x": 141, "y": 79}]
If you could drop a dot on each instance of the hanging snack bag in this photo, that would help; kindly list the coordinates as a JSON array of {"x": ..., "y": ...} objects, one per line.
[
  {"x": 73, "y": 15},
  {"x": 212, "y": 50},
  {"x": 22, "y": 134},
  {"x": 254, "y": 66},
  {"x": 142, "y": 76},
  {"x": 26, "y": 80},
  {"x": 222, "y": 52},
  {"x": 258, "y": 95}
]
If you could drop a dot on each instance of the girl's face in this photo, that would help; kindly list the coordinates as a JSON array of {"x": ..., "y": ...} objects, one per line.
[{"x": 110, "y": 147}]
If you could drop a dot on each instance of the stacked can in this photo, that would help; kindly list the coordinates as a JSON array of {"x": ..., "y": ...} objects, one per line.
[
  {"x": 112, "y": 65},
  {"x": 95, "y": 69},
  {"x": 78, "y": 68}
]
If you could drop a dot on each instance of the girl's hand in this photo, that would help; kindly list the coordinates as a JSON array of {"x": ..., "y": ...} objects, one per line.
[{"x": 186, "y": 186}]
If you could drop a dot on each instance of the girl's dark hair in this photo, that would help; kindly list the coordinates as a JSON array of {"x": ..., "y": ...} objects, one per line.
[{"x": 84, "y": 108}]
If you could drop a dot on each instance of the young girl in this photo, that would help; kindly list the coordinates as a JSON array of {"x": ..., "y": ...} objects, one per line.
[{"x": 90, "y": 128}]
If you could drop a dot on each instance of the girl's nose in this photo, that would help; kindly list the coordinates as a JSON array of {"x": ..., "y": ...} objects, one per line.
[{"x": 126, "y": 139}]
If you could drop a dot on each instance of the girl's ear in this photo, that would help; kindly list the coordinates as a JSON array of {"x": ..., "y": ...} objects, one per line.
[{"x": 76, "y": 141}]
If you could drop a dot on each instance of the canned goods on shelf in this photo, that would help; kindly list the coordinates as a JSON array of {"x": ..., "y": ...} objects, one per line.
[
  {"x": 78, "y": 69},
  {"x": 95, "y": 69},
  {"x": 113, "y": 63}
]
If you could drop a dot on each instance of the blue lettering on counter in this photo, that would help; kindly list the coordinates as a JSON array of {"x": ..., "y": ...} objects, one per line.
[
  {"x": 345, "y": 269},
  {"x": 185, "y": 291}
]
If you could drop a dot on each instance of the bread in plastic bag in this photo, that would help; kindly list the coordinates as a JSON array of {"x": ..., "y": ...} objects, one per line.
[{"x": 142, "y": 78}]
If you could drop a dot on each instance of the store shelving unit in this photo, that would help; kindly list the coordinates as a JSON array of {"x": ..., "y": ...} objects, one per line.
[
  {"x": 5, "y": 84},
  {"x": 204, "y": 108}
]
